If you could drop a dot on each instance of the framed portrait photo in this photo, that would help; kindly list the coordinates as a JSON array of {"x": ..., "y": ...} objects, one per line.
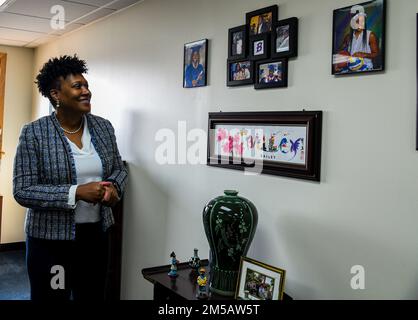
[
  {"x": 260, "y": 47},
  {"x": 237, "y": 42},
  {"x": 261, "y": 21},
  {"x": 277, "y": 143},
  {"x": 195, "y": 64},
  {"x": 358, "y": 43},
  {"x": 240, "y": 72},
  {"x": 284, "y": 39},
  {"x": 271, "y": 74},
  {"x": 259, "y": 281}
]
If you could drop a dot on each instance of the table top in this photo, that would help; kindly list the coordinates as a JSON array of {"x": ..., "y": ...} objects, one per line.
[{"x": 185, "y": 284}]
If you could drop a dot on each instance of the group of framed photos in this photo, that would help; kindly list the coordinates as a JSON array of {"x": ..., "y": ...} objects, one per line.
[{"x": 258, "y": 51}]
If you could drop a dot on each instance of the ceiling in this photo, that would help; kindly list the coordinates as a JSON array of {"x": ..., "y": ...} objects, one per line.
[{"x": 30, "y": 23}]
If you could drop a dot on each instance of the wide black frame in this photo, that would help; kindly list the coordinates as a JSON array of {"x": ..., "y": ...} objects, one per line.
[
  {"x": 281, "y": 84},
  {"x": 383, "y": 46},
  {"x": 260, "y": 37},
  {"x": 206, "y": 41},
  {"x": 234, "y": 83},
  {"x": 273, "y": 9},
  {"x": 293, "y": 24},
  {"x": 311, "y": 119},
  {"x": 231, "y": 31}
]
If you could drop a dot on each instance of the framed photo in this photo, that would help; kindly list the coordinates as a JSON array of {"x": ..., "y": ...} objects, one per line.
[
  {"x": 284, "y": 39},
  {"x": 271, "y": 74},
  {"x": 195, "y": 64},
  {"x": 261, "y": 21},
  {"x": 237, "y": 42},
  {"x": 240, "y": 72},
  {"x": 259, "y": 281},
  {"x": 358, "y": 42},
  {"x": 278, "y": 143},
  {"x": 260, "y": 47}
]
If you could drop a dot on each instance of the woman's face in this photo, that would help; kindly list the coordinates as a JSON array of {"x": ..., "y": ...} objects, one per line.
[{"x": 74, "y": 94}]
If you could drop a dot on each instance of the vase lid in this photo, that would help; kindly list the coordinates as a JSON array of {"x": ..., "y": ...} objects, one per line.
[{"x": 231, "y": 192}]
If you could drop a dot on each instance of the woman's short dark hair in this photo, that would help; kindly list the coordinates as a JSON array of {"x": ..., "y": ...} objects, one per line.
[{"x": 54, "y": 69}]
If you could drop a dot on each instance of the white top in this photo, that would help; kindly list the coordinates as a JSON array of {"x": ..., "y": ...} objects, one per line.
[
  {"x": 89, "y": 168},
  {"x": 358, "y": 46}
]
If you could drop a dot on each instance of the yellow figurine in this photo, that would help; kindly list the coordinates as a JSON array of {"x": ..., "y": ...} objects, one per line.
[{"x": 202, "y": 282}]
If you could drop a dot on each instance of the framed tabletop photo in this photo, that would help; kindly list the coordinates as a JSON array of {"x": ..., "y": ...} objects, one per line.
[
  {"x": 195, "y": 64},
  {"x": 284, "y": 39},
  {"x": 259, "y": 281},
  {"x": 237, "y": 42},
  {"x": 271, "y": 74},
  {"x": 358, "y": 41},
  {"x": 261, "y": 20},
  {"x": 240, "y": 72}
]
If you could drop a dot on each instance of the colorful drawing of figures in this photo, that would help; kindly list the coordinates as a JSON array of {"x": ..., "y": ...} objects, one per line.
[{"x": 273, "y": 143}]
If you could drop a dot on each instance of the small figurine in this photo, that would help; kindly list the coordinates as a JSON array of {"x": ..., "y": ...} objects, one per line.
[
  {"x": 173, "y": 267},
  {"x": 202, "y": 282},
  {"x": 194, "y": 262}
]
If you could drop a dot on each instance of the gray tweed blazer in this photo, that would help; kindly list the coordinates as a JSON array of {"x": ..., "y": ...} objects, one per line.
[{"x": 44, "y": 171}]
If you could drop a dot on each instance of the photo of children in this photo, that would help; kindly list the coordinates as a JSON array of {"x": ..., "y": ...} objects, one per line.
[
  {"x": 258, "y": 285},
  {"x": 241, "y": 70}
]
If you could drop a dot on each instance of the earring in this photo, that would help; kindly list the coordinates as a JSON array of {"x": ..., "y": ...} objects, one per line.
[{"x": 58, "y": 104}]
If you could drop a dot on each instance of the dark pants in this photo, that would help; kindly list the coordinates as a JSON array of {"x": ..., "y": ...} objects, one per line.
[{"x": 83, "y": 260}]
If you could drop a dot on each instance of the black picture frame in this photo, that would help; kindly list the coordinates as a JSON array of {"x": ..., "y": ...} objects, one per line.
[
  {"x": 263, "y": 38},
  {"x": 279, "y": 75},
  {"x": 291, "y": 49},
  {"x": 244, "y": 37},
  {"x": 231, "y": 82},
  {"x": 255, "y": 28},
  {"x": 343, "y": 61},
  {"x": 199, "y": 73},
  {"x": 254, "y": 129}
]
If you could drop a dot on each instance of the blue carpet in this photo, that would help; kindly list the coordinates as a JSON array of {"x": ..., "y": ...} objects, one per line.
[{"x": 14, "y": 281}]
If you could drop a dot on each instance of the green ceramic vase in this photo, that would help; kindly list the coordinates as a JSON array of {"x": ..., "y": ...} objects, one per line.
[{"x": 230, "y": 222}]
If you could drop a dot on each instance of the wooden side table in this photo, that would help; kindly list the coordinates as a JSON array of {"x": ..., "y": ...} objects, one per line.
[{"x": 183, "y": 287}]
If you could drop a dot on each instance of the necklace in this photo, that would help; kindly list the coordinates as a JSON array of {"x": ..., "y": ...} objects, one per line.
[{"x": 72, "y": 132}]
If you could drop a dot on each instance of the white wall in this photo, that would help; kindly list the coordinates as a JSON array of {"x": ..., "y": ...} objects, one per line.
[
  {"x": 17, "y": 112},
  {"x": 363, "y": 211}
]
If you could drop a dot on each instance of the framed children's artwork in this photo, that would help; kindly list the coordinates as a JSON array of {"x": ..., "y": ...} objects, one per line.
[
  {"x": 240, "y": 72},
  {"x": 195, "y": 64},
  {"x": 260, "y": 47},
  {"x": 358, "y": 42},
  {"x": 261, "y": 21},
  {"x": 271, "y": 74},
  {"x": 277, "y": 143},
  {"x": 284, "y": 39},
  {"x": 259, "y": 281},
  {"x": 237, "y": 42}
]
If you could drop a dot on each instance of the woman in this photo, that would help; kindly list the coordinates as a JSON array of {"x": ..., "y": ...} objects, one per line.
[
  {"x": 360, "y": 47},
  {"x": 69, "y": 174}
]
